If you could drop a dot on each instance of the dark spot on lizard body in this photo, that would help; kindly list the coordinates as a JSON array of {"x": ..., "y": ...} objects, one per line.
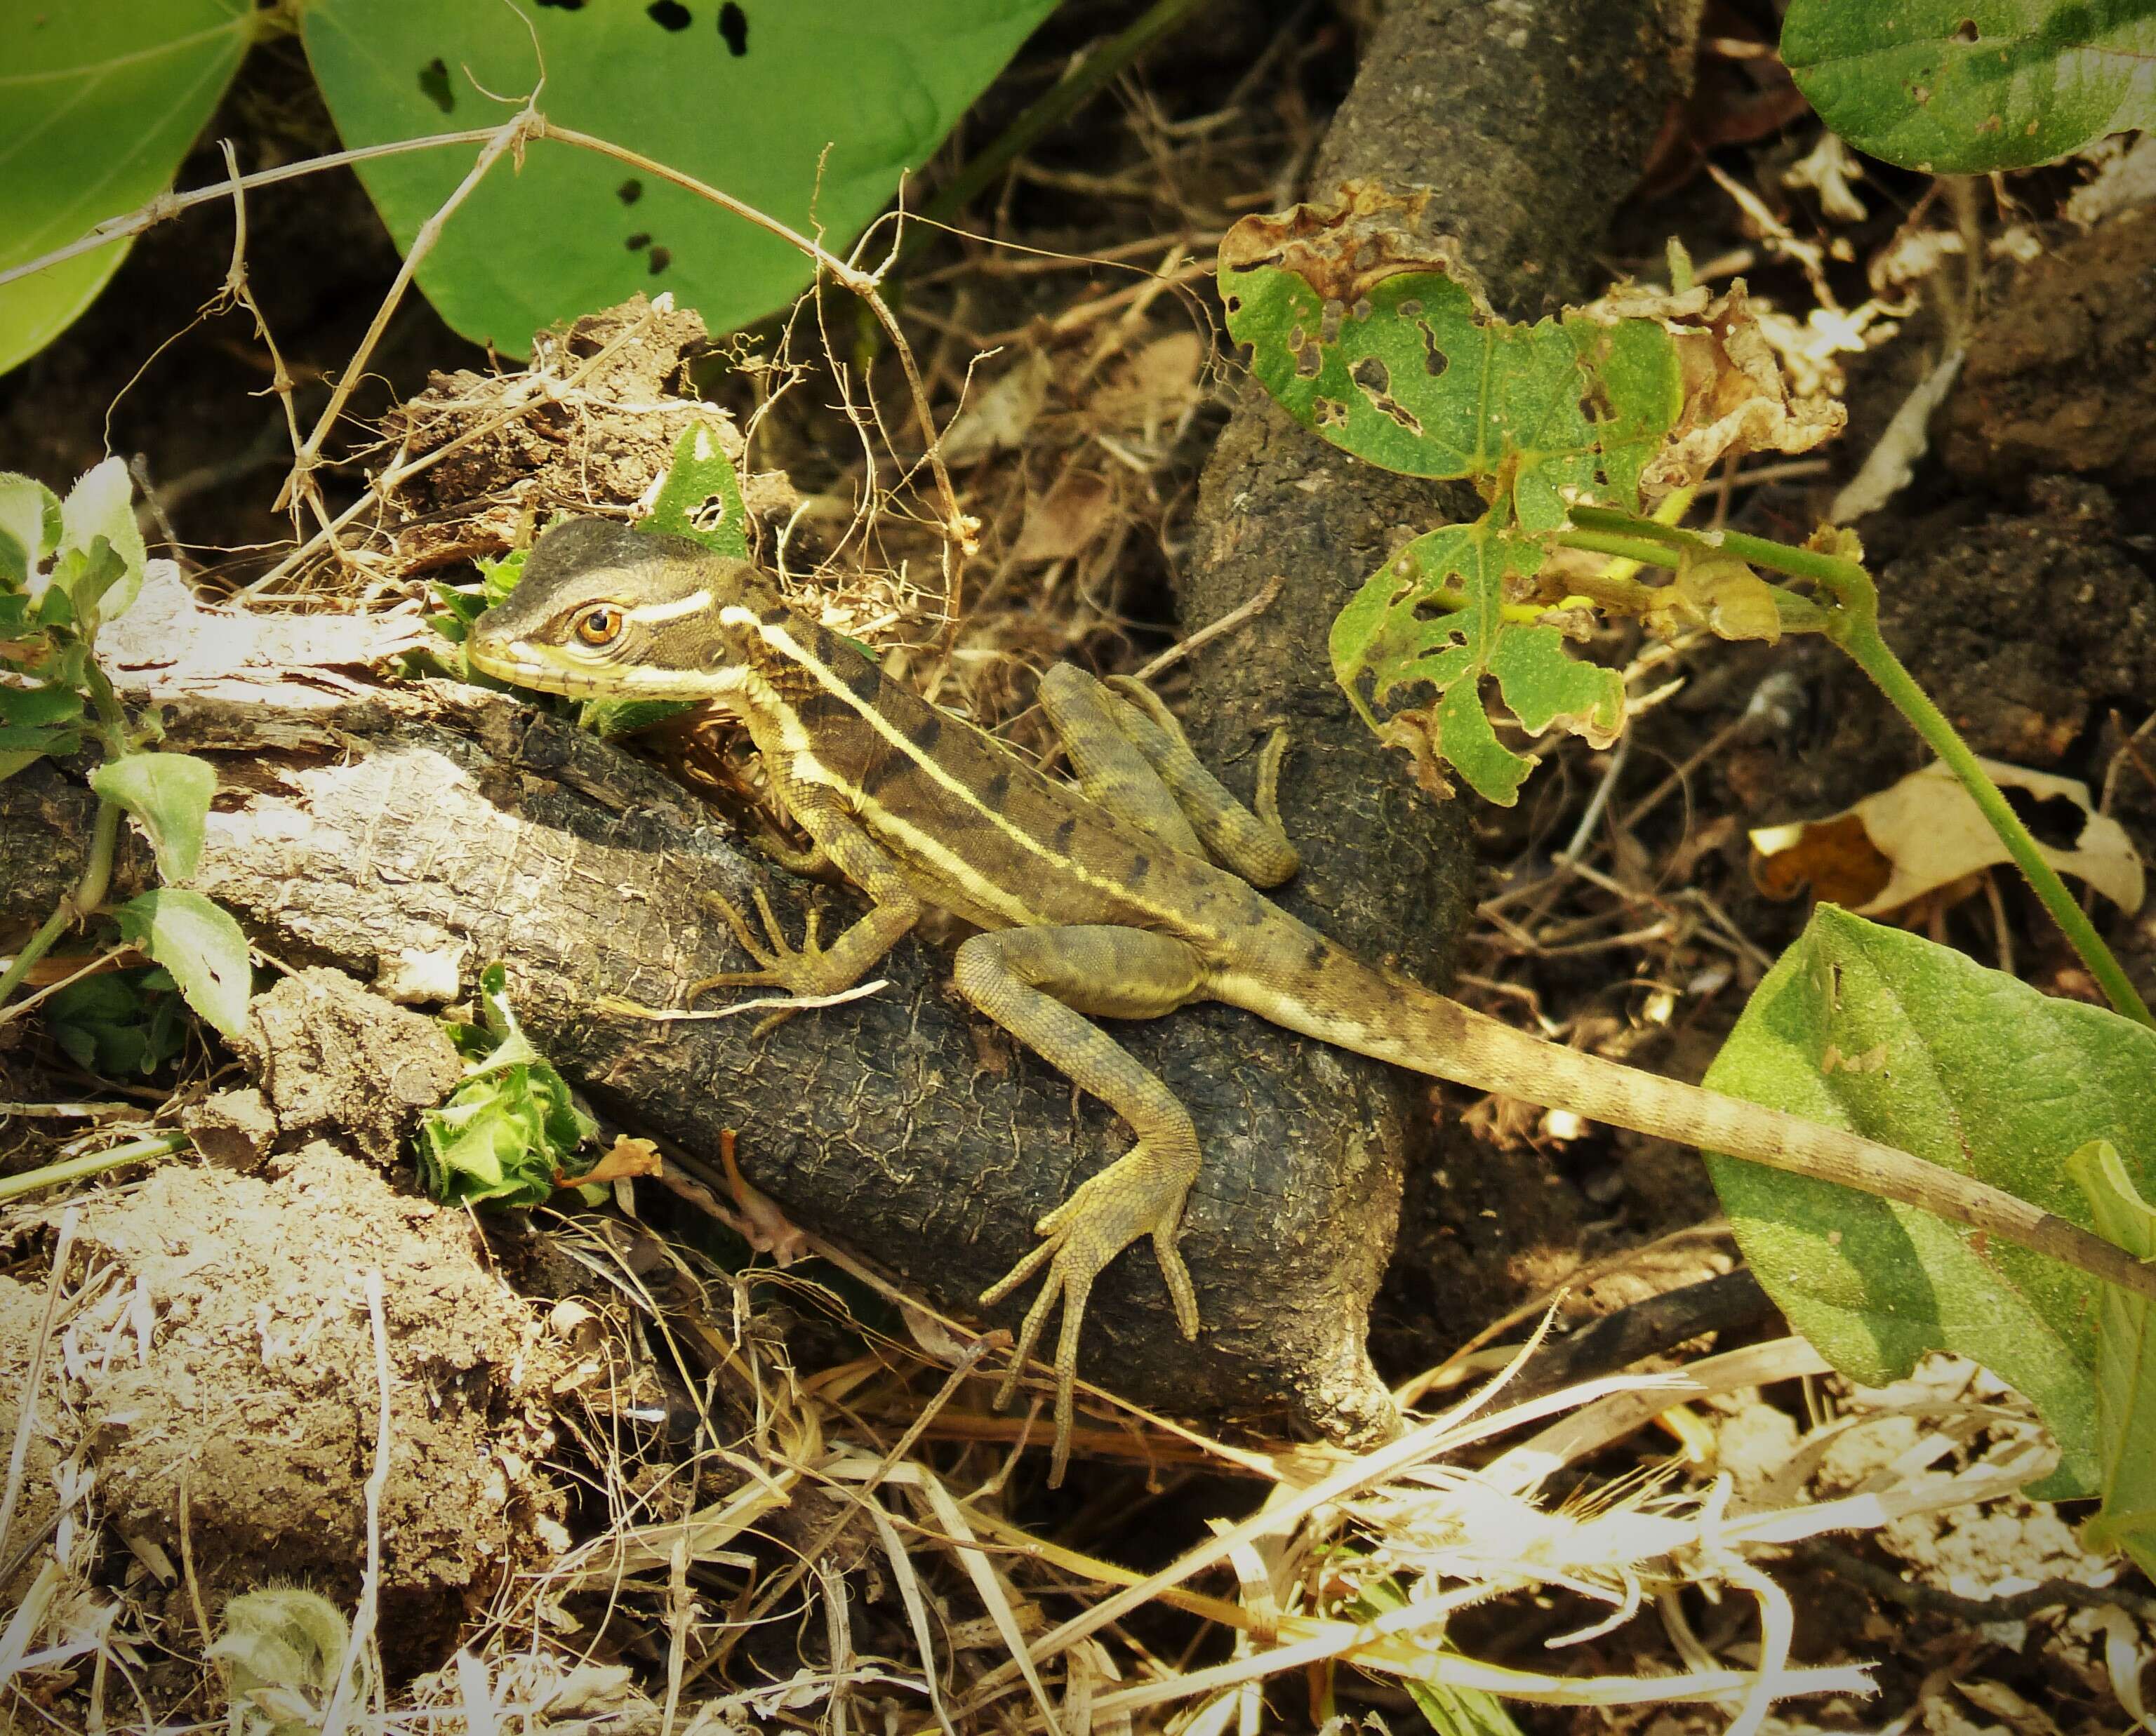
[
  {"x": 863, "y": 679},
  {"x": 820, "y": 710},
  {"x": 886, "y": 768}
]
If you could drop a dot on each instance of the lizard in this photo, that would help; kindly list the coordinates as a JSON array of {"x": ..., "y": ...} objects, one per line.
[{"x": 1132, "y": 893}]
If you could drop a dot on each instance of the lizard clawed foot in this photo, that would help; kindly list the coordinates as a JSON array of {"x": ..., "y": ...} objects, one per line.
[
  {"x": 799, "y": 970},
  {"x": 1136, "y": 1196}
]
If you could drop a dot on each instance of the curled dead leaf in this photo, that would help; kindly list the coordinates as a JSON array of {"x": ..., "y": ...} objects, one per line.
[
  {"x": 1926, "y": 832},
  {"x": 627, "y": 1157},
  {"x": 1342, "y": 248}
]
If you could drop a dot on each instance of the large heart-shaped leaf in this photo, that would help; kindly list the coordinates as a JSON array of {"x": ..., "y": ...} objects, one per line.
[
  {"x": 98, "y": 105},
  {"x": 1918, "y": 1046},
  {"x": 809, "y": 111}
]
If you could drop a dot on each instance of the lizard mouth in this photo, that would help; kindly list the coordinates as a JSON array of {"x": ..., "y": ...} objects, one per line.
[{"x": 521, "y": 664}]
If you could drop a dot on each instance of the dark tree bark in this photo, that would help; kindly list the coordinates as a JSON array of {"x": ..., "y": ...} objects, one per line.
[{"x": 1527, "y": 125}]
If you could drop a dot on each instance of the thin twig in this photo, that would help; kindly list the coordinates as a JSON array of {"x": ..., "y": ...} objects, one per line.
[
  {"x": 1253, "y": 604},
  {"x": 1976, "y": 1611},
  {"x": 33, "y": 1380}
]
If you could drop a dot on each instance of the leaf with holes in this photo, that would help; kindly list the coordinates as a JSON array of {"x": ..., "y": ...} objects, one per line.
[
  {"x": 1968, "y": 87},
  {"x": 1918, "y": 1046},
  {"x": 1377, "y": 334},
  {"x": 1437, "y": 612},
  {"x": 1380, "y": 338},
  {"x": 809, "y": 112},
  {"x": 700, "y": 473}
]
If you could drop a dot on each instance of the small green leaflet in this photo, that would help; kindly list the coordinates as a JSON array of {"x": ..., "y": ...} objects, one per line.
[
  {"x": 504, "y": 1133},
  {"x": 30, "y": 526},
  {"x": 170, "y": 794},
  {"x": 201, "y": 945},
  {"x": 700, "y": 473},
  {"x": 1435, "y": 612},
  {"x": 118, "y": 1022}
]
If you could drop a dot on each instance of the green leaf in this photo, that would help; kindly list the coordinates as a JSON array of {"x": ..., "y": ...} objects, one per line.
[
  {"x": 86, "y": 577},
  {"x": 38, "y": 740},
  {"x": 37, "y": 721},
  {"x": 29, "y": 516},
  {"x": 1965, "y": 87},
  {"x": 1437, "y": 612},
  {"x": 699, "y": 471},
  {"x": 201, "y": 945},
  {"x": 504, "y": 1133},
  {"x": 1918, "y": 1046},
  {"x": 810, "y": 117},
  {"x": 102, "y": 504},
  {"x": 53, "y": 702},
  {"x": 98, "y": 105},
  {"x": 616, "y": 718},
  {"x": 170, "y": 794},
  {"x": 1414, "y": 371},
  {"x": 118, "y": 1022},
  {"x": 1451, "y": 1711},
  {"x": 2125, "y": 1363}
]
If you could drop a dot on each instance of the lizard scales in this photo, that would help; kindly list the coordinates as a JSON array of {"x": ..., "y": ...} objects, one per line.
[{"x": 1098, "y": 901}]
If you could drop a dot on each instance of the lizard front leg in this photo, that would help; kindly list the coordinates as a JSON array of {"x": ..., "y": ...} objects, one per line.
[
  {"x": 1040, "y": 985},
  {"x": 810, "y": 969}
]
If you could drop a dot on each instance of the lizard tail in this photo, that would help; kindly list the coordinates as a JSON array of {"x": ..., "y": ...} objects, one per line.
[{"x": 1317, "y": 987}]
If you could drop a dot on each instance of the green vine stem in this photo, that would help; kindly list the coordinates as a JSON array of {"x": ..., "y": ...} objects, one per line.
[
  {"x": 96, "y": 1163},
  {"x": 1853, "y": 625},
  {"x": 88, "y": 895}
]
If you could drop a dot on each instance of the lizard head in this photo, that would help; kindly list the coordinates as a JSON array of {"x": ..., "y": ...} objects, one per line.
[{"x": 602, "y": 610}]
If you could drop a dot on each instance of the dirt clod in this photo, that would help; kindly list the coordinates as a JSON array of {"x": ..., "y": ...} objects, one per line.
[
  {"x": 2062, "y": 372},
  {"x": 234, "y": 1128},
  {"x": 2023, "y": 627},
  {"x": 227, "y": 1372},
  {"x": 334, "y": 1059}
]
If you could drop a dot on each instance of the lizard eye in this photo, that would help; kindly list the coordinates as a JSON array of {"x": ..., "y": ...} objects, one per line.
[{"x": 600, "y": 625}]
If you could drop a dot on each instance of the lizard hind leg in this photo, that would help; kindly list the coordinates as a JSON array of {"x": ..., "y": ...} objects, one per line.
[{"x": 1040, "y": 985}]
